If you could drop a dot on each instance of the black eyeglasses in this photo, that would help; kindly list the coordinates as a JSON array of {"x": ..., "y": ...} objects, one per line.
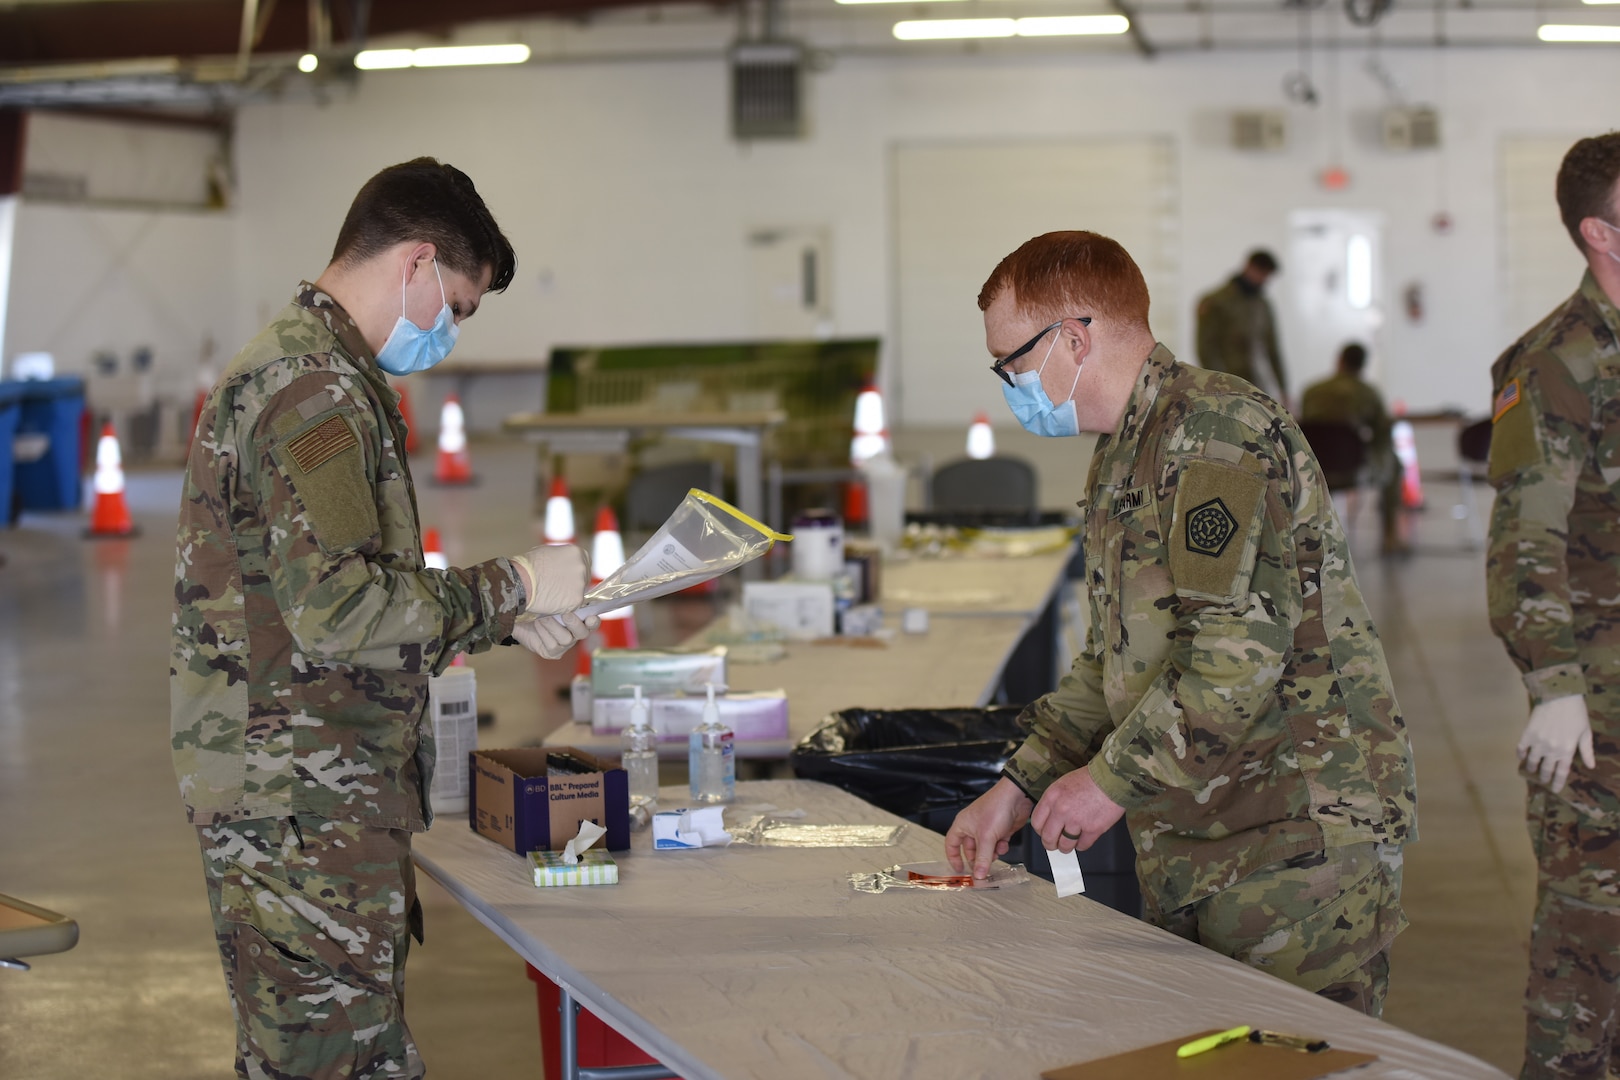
[{"x": 999, "y": 365}]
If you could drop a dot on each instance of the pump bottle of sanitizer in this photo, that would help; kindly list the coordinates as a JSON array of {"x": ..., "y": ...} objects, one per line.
[
  {"x": 711, "y": 757},
  {"x": 640, "y": 753}
]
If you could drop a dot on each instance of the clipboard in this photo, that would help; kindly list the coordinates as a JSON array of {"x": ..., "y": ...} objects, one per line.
[{"x": 1241, "y": 1060}]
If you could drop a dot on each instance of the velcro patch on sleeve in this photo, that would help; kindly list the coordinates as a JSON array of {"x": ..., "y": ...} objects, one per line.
[
  {"x": 321, "y": 443},
  {"x": 1514, "y": 444},
  {"x": 326, "y": 468},
  {"x": 1219, "y": 508}
]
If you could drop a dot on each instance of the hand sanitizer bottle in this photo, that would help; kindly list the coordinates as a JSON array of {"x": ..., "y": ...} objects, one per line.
[
  {"x": 711, "y": 757},
  {"x": 640, "y": 753}
]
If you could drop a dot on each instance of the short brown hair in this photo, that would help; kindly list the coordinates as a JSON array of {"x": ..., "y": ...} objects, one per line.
[
  {"x": 1586, "y": 183},
  {"x": 426, "y": 201},
  {"x": 1062, "y": 274}
]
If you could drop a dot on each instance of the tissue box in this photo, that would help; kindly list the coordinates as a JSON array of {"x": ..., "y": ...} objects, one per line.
[
  {"x": 656, "y": 671},
  {"x": 534, "y": 799},
  {"x": 595, "y": 867},
  {"x": 801, "y": 610},
  {"x": 758, "y": 714}
]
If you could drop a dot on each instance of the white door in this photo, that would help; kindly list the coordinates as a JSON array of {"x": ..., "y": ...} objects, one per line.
[{"x": 1335, "y": 289}]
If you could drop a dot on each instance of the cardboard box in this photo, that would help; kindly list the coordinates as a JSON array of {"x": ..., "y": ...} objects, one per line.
[
  {"x": 523, "y": 801},
  {"x": 801, "y": 610},
  {"x": 757, "y": 714}
]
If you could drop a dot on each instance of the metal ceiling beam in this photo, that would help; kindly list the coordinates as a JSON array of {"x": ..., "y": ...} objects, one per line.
[{"x": 1143, "y": 45}]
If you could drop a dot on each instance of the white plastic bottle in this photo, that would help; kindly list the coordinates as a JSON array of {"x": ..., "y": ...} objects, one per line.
[
  {"x": 640, "y": 753},
  {"x": 711, "y": 757}
]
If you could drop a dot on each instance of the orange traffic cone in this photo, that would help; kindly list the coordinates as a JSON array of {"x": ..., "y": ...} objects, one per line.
[
  {"x": 110, "y": 518},
  {"x": 454, "y": 467},
  {"x": 433, "y": 552},
  {"x": 618, "y": 630},
  {"x": 559, "y": 525},
  {"x": 1405, "y": 441},
  {"x": 981, "y": 441},
  {"x": 871, "y": 439}
]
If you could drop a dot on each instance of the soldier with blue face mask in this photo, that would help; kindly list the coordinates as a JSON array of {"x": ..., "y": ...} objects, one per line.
[
  {"x": 306, "y": 627},
  {"x": 1553, "y": 581},
  {"x": 1232, "y": 701}
]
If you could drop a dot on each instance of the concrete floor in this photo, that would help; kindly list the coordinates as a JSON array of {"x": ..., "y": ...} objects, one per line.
[{"x": 91, "y": 825}]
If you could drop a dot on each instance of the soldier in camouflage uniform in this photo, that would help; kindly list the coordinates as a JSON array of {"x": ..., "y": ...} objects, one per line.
[
  {"x": 306, "y": 627},
  {"x": 1553, "y": 579},
  {"x": 1346, "y": 398},
  {"x": 1237, "y": 331},
  {"x": 1232, "y": 700}
]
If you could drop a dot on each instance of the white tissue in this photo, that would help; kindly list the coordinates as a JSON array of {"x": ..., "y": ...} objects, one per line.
[
  {"x": 1066, "y": 873},
  {"x": 589, "y": 833}
]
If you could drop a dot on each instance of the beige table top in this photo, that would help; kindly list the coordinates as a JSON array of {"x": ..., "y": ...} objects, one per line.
[
  {"x": 744, "y": 962},
  {"x": 633, "y": 419},
  {"x": 957, "y": 662},
  {"x": 969, "y": 585}
]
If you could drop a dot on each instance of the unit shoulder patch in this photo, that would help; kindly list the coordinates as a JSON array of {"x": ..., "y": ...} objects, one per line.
[
  {"x": 321, "y": 443},
  {"x": 1210, "y": 528}
]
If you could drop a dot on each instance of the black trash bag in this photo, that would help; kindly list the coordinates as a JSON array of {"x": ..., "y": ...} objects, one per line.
[{"x": 911, "y": 762}]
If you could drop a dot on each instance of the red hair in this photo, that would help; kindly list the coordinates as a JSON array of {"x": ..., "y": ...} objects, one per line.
[{"x": 1060, "y": 274}]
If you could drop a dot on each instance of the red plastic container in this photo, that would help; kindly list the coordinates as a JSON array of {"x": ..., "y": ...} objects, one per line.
[{"x": 599, "y": 1045}]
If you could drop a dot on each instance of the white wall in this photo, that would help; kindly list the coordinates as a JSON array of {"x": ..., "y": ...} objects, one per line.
[{"x": 629, "y": 205}]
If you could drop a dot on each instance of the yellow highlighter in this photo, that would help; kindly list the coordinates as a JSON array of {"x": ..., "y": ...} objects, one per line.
[{"x": 1210, "y": 1042}]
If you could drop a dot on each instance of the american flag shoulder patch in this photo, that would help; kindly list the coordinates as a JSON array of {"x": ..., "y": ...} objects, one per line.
[
  {"x": 1509, "y": 397},
  {"x": 321, "y": 443}
]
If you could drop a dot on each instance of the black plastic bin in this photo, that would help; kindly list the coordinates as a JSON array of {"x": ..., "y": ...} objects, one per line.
[{"x": 927, "y": 764}]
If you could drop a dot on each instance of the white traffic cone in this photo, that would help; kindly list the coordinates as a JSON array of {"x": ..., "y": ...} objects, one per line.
[
  {"x": 110, "y": 516},
  {"x": 454, "y": 466},
  {"x": 981, "y": 441},
  {"x": 559, "y": 525}
]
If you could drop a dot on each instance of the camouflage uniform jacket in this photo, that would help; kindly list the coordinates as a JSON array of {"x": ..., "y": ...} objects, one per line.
[
  {"x": 1553, "y": 565},
  {"x": 305, "y": 625},
  {"x": 1232, "y": 694},
  {"x": 1235, "y": 323}
]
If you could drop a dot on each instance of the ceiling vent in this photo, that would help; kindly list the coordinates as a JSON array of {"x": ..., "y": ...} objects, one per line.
[
  {"x": 767, "y": 90},
  {"x": 1415, "y": 128},
  {"x": 1259, "y": 129}
]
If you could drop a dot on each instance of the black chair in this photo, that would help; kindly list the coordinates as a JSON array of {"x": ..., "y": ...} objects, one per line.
[
  {"x": 1339, "y": 450},
  {"x": 1003, "y": 486},
  {"x": 655, "y": 492},
  {"x": 1473, "y": 459}
]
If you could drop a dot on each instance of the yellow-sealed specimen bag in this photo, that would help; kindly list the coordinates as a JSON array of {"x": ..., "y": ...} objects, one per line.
[{"x": 704, "y": 538}]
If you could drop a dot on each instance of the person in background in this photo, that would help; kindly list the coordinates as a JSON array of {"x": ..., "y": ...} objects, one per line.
[
  {"x": 1553, "y": 585},
  {"x": 1346, "y": 398},
  {"x": 306, "y": 627},
  {"x": 1232, "y": 700},
  {"x": 1237, "y": 331}
]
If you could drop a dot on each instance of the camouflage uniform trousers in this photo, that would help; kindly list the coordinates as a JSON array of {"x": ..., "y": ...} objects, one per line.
[
  {"x": 314, "y": 919},
  {"x": 1324, "y": 921},
  {"x": 1573, "y": 996}
]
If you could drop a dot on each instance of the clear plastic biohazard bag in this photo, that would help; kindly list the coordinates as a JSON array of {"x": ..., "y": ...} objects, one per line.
[{"x": 704, "y": 538}]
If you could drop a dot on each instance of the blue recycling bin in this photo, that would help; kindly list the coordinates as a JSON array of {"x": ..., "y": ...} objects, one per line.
[
  {"x": 10, "y": 411},
  {"x": 53, "y": 408}
]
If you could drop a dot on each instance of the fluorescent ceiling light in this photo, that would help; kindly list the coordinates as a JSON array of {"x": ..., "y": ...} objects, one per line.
[
  {"x": 1055, "y": 25},
  {"x": 947, "y": 29},
  {"x": 444, "y": 56},
  {"x": 1567, "y": 32},
  {"x": 944, "y": 1},
  {"x": 308, "y": 62},
  {"x": 1034, "y": 26},
  {"x": 1600, "y": 1}
]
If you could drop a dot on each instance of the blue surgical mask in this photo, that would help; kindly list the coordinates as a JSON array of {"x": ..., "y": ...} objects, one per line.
[
  {"x": 1037, "y": 412},
  {"x": 409, "y": 347}
]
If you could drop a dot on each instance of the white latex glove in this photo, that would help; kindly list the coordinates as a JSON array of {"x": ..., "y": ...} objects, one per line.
[
  {"x": 552, "y": 635},
  {"x": 1556, "y": 729},
  {"x": 554, "y": 578}
]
